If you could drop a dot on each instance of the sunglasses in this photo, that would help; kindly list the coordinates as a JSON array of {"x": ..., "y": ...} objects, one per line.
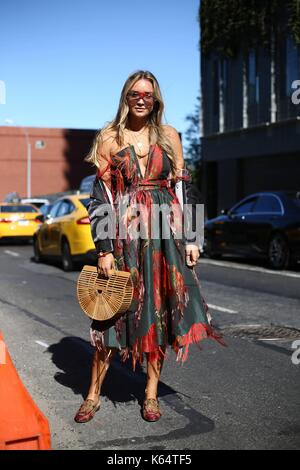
[{"x": 135, "y": 96}]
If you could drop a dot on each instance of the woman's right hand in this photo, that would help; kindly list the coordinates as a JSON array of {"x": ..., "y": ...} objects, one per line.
[{"x": 106, "y": 264}]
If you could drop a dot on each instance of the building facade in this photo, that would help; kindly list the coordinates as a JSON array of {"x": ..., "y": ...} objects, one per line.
[
  {"x": 250, "y": 121},
  {"x": 39, "y": 161}
]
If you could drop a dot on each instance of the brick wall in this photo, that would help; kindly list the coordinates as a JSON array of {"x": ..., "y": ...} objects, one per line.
[{"x": 58, "y": 166}]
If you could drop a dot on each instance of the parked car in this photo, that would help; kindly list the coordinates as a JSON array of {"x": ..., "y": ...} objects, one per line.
[
  {"x": 65, "y": 233},
  {"x": 86, "y": 184},
  {"x": 18, "y": 221},
  {"x": 37, "y": 202},
  {"x": 264, "y": 224}
]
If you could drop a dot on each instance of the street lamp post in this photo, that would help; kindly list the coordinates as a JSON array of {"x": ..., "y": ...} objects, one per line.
[
  {"x": 28, "y": 148},
  {"x": 28, "y": 144}
]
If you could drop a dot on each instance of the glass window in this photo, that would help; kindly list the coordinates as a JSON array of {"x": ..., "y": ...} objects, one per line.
[
  {"x": 45, "y": 208},
  {"x": 53, "y": 212},
  {"x": 267, "y": 204},
  {"x": 216, "y": 90},
  {"x": 65, "y": 208},
  {"x": 85, "y": 202},
  {"x": 253, "y": 79},
  {"x": 245, "y": 206},
  {"x": 18, "y": 208}
]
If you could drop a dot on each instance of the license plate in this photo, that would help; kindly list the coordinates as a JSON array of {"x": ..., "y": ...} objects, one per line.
[{"x": 23, "y": 222}]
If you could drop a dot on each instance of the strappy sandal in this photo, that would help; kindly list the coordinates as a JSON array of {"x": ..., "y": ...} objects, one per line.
[
  {"x": 87, "y": 411},
  {"x": 151, "y": 411}
]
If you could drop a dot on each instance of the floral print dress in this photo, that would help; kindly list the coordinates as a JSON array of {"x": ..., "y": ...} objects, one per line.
[{"x": 167, "y": 308}]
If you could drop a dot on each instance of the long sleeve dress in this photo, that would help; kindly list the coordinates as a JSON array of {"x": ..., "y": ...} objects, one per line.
[{"x": 167, "y": 308}]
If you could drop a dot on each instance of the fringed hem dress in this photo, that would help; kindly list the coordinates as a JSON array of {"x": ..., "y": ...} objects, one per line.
[{"x": 168, "y": 308}]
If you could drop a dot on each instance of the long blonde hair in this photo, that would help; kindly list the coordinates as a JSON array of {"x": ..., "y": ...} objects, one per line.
[{"x": 118, "y": 124}]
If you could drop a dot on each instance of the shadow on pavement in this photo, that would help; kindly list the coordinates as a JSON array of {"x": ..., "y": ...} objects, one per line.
[{"x": 73, "y": 357}]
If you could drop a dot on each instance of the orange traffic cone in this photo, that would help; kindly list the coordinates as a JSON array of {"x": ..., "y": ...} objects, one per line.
[{"x": 22, "y": 425}]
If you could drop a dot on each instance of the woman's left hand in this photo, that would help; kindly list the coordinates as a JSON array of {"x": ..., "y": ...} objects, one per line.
[{"x": 192, "y": 254}]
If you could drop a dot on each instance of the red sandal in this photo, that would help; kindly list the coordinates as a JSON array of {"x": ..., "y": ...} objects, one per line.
[
  {"x": 87, "y": 411},
  {"x": 151, "y": 411}
]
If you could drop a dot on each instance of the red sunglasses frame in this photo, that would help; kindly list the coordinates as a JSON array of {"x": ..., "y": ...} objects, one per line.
[{"x": 141, "y": 94}]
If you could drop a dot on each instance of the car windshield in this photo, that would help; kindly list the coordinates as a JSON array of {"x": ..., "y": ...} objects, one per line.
[
  {"x": 17, "y": 208},
  {"x": 85, "y": 201}
]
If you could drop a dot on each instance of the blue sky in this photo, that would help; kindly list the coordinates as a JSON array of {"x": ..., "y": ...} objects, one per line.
[{"x": 64, "y": 62}]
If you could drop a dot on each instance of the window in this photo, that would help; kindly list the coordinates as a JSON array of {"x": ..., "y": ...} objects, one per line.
[
  {"x": 85, "y": 202},
  {"x": 244, "y": 207},
  {"x": 222, "y": 94},
  {"x": 53, "y": 212},
  {"x": 253, "y": 79},
  {"x": 267, "y": 204},
  {"x": 65, "y": 208},
  {"x": 18, "y": 208},
  {"x": 39, "y": 144},
  {"x": 216, "y": 88}
]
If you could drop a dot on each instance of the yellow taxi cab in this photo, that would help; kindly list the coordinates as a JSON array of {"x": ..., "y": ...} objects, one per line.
[
  {"x": 18, "y": 220},
  {"x": 65, "y": 233}
]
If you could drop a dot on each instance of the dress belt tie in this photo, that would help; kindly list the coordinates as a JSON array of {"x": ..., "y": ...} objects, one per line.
[{"x": 159, "y": 183}]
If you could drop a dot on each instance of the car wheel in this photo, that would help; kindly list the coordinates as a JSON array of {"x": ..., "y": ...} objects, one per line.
[
  {"x": 67, "y": 261},
  {"x": 36, "y": 251},
  {"x": 278, "y": 252}
]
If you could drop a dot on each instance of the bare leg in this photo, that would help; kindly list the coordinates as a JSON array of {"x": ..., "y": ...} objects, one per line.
[
  {"x": 151, "y": 410},
  {"x": 91, "y": 404},
  {"x": 153, "y": 374},
  {"x": 100, "y": 365}
]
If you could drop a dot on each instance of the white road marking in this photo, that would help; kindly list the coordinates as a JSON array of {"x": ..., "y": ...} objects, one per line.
[
  {"x": 274, "y": 339},
  {"x": 245, "y": 325},
  {"x": 233, "y": 265},
  {"x": 11, "y": 253},
  {"x": 41, "y": 343},
  {"x": 221, "y": 309}
]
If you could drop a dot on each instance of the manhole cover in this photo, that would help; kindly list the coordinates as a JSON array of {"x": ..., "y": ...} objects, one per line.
[{"x": 261, "y": 331}]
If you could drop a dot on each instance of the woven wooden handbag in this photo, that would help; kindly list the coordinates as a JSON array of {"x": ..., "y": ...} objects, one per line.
[{"x": 103, "y": 297}]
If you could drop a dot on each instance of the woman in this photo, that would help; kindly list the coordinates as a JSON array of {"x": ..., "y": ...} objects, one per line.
[{"x": 140, "y": 161}]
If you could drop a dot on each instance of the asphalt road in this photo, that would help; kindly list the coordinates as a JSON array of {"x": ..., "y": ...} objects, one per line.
[{"x": 244, "y": 396}]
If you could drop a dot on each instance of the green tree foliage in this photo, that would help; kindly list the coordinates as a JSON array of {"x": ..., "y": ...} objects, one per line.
[
  {"x": 193, "y": 148},
  {"x": 231, "y": 25}
]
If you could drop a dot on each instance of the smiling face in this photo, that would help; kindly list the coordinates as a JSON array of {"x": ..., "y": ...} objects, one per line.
[{"x": 140, "y": 99}]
